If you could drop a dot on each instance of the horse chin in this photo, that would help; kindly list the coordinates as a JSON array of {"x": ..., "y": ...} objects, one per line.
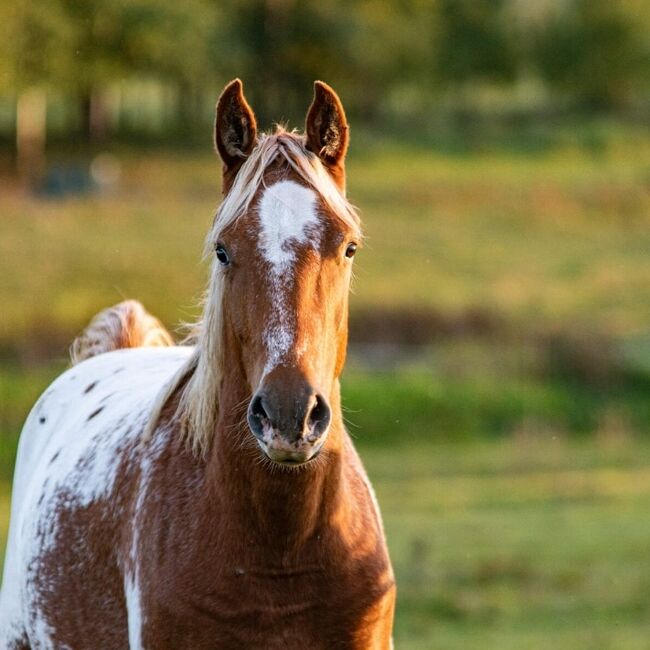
[{"x": 293, "y": 458}]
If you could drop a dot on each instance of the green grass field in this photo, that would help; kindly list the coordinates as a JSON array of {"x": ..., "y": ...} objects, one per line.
[
  {"x": 512, "y": 465},
  {"x": 519, "y": 545}
]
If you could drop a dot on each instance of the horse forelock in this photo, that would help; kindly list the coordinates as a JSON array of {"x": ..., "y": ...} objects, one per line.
[
  {"x": 197, "y": 382},
  {"x": 287, "y": 147}
]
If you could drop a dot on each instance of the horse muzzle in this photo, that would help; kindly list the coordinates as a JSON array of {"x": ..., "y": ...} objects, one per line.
[{"x": 289, "y": 420}]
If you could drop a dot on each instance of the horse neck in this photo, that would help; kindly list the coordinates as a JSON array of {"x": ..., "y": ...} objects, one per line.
[{"x": 253, "y": 494}]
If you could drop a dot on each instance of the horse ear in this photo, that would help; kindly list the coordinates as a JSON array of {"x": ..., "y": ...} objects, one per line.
[
  {"x": 235, "y": 129},
  {"x": 327, "y": 131}
]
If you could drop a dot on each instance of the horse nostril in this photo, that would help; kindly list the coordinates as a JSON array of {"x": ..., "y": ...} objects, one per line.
[
  {"x": 257, "y": 415},
  {"x": 319, "y": 417},
  {"x": 289, "y": 417}
]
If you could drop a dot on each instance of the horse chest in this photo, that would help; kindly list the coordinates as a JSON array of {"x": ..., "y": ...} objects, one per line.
[
  {"x": 260, "y": 609},
  {"x": 299, "y": 607},
  {"x": 215, "y": 579}
]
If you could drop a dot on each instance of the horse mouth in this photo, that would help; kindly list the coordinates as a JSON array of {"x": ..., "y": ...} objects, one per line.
[
  {"x": 297, "y": 463},
  {"x": 288, "y": 458}
]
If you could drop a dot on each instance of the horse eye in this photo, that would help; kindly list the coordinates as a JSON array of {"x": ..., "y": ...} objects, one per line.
[
  {"x": 350, "y": 250},
  {"x": 222, "y": 255}
]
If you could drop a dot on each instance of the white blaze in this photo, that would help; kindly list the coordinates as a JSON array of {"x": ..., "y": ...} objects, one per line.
[{"x": 288, "y": 218}]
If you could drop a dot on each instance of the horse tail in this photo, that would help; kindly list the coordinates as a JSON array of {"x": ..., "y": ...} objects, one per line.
[{"x": 125, "y": 325}]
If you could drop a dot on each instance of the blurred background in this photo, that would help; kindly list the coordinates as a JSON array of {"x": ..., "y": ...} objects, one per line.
[{"x": 498, "y": 385}]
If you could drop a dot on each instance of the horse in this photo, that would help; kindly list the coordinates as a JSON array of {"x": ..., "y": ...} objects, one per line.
[{"x": 207, "y": 495}]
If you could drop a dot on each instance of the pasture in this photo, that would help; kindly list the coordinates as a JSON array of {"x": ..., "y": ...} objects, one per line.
[
  {"x": 510, "y": 459},
  {"x": 558, "y": 238}
]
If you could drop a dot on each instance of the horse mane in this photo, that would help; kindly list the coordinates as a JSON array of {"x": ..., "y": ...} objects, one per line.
[{"x": 197, "y": 381}]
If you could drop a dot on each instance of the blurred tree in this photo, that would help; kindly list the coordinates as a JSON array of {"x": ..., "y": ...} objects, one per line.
[
  {"x": 279, "y": 47},
  {"x": 163, "y": 39},
  {"x": 31, "y": 34},
  {"x": 387, "y": 58},
  {"x": 363, "y": 47},
  {"x": 474, "y": 40},
  {"x": 386, "y": 52},
  {"x": 595, "y": 51}
]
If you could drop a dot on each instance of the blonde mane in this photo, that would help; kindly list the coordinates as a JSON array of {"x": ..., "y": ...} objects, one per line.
[{"x": 198, "y": 380}]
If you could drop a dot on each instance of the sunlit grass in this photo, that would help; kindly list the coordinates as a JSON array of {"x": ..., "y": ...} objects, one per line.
[
  {"x": 547, "y": 240},
  {"x": 510, "y": 545}
]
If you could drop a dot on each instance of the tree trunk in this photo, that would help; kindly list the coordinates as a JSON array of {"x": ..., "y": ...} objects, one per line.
[
  {"x": 31, "y": 115},
  {"x": 94, "y": 117},
  {"x": 98, "y": 126}
]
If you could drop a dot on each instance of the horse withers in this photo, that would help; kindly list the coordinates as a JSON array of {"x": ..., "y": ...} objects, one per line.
[{"x": 208, "y": 496}]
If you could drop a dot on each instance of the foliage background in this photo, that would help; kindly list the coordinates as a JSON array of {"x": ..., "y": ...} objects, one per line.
[{"x": 498, "y": 384}]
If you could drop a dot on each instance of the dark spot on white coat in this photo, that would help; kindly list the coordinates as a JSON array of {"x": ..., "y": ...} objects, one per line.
[{"x": 94, "y": 413}]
